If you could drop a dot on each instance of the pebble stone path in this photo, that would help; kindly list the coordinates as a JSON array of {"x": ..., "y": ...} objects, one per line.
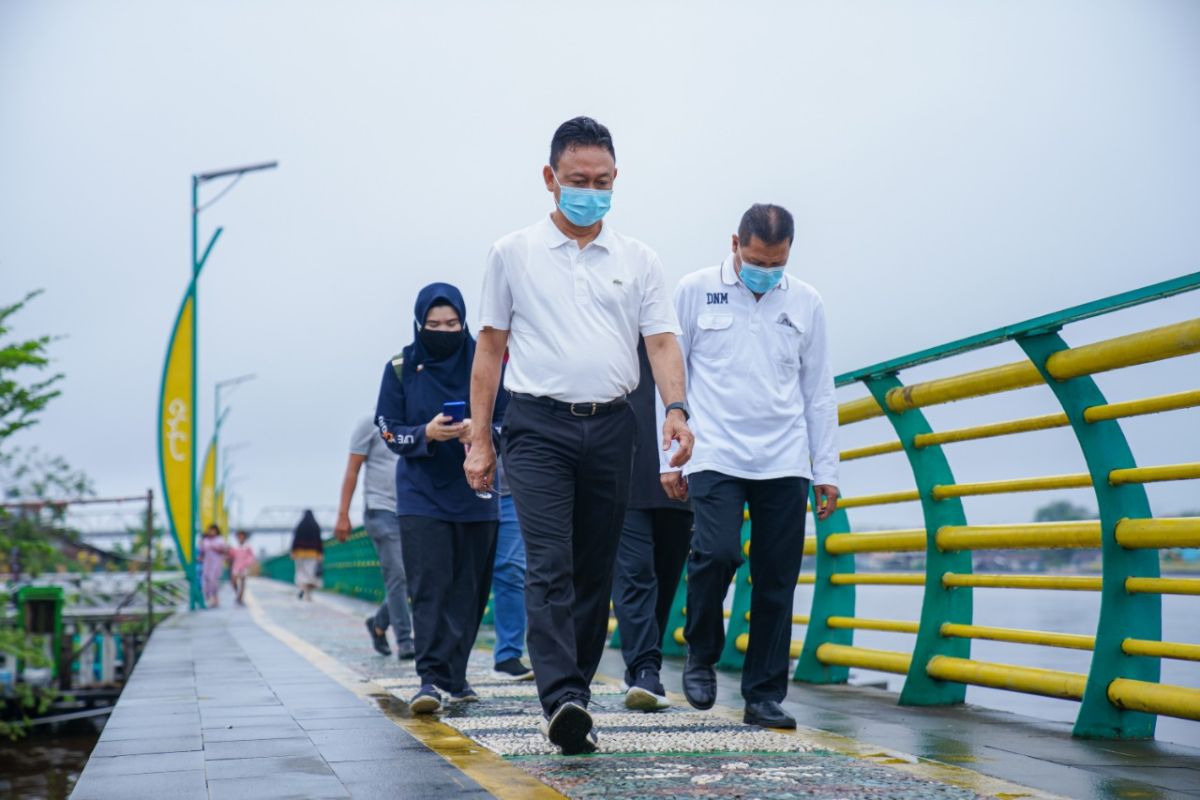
[{"x": 675, "y": 753}]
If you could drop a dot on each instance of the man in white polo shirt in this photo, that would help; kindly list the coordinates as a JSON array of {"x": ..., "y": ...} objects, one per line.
[
  {"x": 765, "y": 420},
  {"x": 569, "y": 297}
]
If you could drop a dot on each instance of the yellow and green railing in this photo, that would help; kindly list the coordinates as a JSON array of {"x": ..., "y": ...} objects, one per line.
[{"x": 1120, "y": 695}]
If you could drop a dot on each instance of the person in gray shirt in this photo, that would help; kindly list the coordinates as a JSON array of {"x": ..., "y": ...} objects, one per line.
[{"x": 383, "y": 526}]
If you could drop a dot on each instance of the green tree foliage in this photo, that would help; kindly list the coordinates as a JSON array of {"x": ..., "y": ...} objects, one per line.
[
  {"x": 1062, "y": 511},
  {"x": 21, "y": 401},
  {"x": 33, "y": 479}
]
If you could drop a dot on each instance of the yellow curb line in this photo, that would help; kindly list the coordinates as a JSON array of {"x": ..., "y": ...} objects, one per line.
[
  {"x": 482, "y": 764},
  {"x": 493, "y": 773}
]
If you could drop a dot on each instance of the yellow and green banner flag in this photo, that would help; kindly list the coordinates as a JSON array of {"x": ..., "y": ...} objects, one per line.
[
  {"x": 177, "y": 430},
  {"x": 222, "y": 512},
  {"x": 209, "y": 510}
]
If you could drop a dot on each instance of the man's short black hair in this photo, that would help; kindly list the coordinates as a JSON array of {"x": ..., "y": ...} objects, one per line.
[
  {"x": 580, "y": 132},
  {"x": 771, "y": 224}
]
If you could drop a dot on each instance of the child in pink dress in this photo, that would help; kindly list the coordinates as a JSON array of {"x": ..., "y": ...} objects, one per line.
[
  {"x": 241, "y": 560},
  {"x": 212, "y": 563}
]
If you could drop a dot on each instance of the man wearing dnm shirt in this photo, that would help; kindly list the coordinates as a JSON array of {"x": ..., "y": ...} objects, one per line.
[{"x": 765, "y": 421}]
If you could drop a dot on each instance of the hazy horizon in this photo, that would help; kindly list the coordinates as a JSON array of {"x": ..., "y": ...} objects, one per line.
[{"x": 952, "y": 168}]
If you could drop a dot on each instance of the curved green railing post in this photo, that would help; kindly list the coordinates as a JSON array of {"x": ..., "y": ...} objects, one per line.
[
  {"x": 827, "y": 601},
  {"x": 731, "y": 657},
  {"x": 676, "y": 619},
  {"x": 1121, "y": 614},
  {"x": 940, "y": 604}
]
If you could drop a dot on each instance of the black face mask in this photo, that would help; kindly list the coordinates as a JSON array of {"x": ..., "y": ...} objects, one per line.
[{"x": 441, "y": 344}]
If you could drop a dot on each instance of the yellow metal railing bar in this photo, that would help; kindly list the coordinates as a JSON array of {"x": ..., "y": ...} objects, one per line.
[
  {"x": 1159, "y": 532},
  {"x": 1144, "y": 347},
  {"x": 887, "y": 625},
  {"x": 1155, "y": 698},
  {"x": 1032, "y": 680},
  {"x": 858, "y": 410},
  {"x": 993, "y": 429},
  {"x": 1163, "y": 472},
  {"x": 993, "y": 380},
  {"x": 1139, "y": 348},
  {"x": 1129, "y": 408},
  {"x": 871, "y": 450},
  {"x": 1078, "y": 480},
  {"x": 1078, "y": 583},
  {"x": 880, "y": 499},
  {"x": 1175, "y": 650},
  {"x": 1124, "y": 351},
  {"x": 885, "y": 542},
  {"x": 878, "y": 579},
  {"x": 1162, "y": 585},
  {"x": 1072, "y": 641},
  {"x": 864, "y": 658},
  {"x": 1148, "y": 405},
  {"x": 1020, "y": 536}
]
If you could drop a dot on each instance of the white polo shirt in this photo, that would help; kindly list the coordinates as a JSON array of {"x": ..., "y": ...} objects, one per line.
[
  {"x": 573, "y": 315},
  {"x": 760, "y": 385}
]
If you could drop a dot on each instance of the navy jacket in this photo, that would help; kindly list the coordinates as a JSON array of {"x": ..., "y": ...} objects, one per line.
[{"x": 429, "y": 475}]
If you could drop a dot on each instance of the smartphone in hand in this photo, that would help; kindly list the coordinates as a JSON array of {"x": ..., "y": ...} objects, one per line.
[{"x": 456, "y": 410}]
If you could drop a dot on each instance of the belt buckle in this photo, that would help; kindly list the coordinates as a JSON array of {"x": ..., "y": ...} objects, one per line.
[{"x": 575, "y": 413}]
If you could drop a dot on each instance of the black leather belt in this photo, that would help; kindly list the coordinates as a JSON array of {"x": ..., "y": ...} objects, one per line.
[{"x": 574, "y": 409}]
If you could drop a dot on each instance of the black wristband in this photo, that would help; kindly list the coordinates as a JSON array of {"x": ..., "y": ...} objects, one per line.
[{"x": 687, "y": 414}]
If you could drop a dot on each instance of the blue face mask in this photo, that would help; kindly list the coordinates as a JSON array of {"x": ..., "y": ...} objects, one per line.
[
  {"x": 761, "y": 280},
  {"x": 583, "y": 207}
]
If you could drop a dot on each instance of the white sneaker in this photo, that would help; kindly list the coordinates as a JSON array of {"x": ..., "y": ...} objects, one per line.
[
  {"x": 646, "y": 693},
  {"x": 641, "y": 699}
]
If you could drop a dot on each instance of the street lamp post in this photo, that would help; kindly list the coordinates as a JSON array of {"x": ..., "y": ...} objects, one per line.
[
  {"x": 198, "y": 261},
  {"x": 219, "y": 413}
]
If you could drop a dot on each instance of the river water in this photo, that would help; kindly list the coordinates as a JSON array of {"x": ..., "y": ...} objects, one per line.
[
  {"x": 46, "y": 764},
  {"x": 1058, "y": 611}
]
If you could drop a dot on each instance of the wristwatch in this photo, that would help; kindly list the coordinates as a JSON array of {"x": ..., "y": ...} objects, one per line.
[{"x": 687, "y": 414}]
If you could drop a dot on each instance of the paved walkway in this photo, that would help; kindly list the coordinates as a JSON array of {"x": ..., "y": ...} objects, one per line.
[{"x": 286, "y": 699}]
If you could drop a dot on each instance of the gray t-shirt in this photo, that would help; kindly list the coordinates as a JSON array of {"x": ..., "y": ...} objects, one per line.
[{"x": 379, "y": 477}]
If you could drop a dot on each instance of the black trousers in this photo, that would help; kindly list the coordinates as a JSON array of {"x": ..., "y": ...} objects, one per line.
[
  {"x": 654, "y": 547},
  {"x": 777, "y": 513},
  {"x": 570, "y": 483},
  {"x": 449, "y": 568}
]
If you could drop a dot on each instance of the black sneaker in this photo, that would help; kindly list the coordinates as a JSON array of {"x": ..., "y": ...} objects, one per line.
[
  {"x": 646, "y": 693},
  {"x": 512, "y": 669},
  {"x": 570, "y": 729},
  {"x": 464, "y": 695},
  {"x": 407, "y": 651},
  {"x": 378, "y": 640},
  {"x": 426, "y": 700}
]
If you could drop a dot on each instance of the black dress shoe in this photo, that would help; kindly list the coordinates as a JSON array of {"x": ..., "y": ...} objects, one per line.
[
  {"x": 768, "y": 714},
  {"x": 699, "y": 684},
  {"x": 378, "y": 640}
]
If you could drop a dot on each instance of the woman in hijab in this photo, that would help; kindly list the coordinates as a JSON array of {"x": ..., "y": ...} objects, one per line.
[
  {"x": 308, "y": 552},
  {"x": 447, "y": 531}
]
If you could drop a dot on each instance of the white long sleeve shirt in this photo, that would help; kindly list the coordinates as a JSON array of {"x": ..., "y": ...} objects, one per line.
[{"x": 759, "y": 381}]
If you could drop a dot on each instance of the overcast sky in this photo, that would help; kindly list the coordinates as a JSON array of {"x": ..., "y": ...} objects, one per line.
[{"x": 953, "y": 167}]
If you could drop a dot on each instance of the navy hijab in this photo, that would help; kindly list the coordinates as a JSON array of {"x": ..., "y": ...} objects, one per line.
[{"x": 445, "y": 378}]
